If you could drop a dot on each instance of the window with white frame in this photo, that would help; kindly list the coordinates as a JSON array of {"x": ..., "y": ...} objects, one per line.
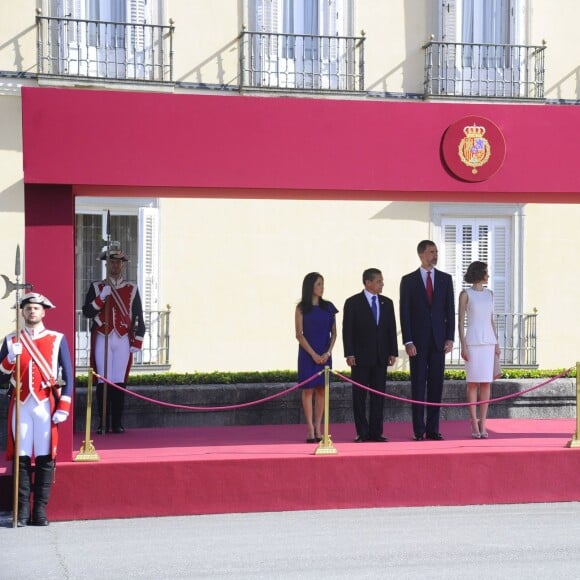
[
  {"x": 491, "y": 233},
  {"x": 106, "y": 38},
  {"x": 486, "y": 60},
  {"x": 465, "y": 240},
  {"x": 301, "y": 46},
  {"x": 134, "y": 223}
]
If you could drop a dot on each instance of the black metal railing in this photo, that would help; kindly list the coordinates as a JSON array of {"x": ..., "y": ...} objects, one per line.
[
  {"x": 104, "y": 50},
  {"x": 155, "y": 351},
  {"x": 507, "y": 71},
  {"x": 302, "y": 62},
  {"x": 517, "y": 339}
]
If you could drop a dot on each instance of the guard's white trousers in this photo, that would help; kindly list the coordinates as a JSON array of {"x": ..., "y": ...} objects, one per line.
[
  {"x": 35, "y": 427},
  {"x": 117, "y": 356}
]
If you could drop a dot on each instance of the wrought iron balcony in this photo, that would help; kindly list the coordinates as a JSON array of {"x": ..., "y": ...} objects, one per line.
[
  {"x": 466, "y": 70},
  {"x": 517, "y": 339},
  {"x": 302, "y": 62},
  {"x": 96, "y": 49},
  {"x": 154, "y": 354}
]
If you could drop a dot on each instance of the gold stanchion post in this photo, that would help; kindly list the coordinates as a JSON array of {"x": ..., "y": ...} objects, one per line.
[
  {"x": 575, "y": 441},
  {"x": 325, "y": 447},
  {"x": 87, "y": 451}
]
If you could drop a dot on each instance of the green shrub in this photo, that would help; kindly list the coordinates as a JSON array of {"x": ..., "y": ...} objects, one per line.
[{"x": 286, "y": 376}]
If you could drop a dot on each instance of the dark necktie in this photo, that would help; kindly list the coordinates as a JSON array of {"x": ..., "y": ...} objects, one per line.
[
  {"x": 375, "y": 309},
  {"x": 429, "y": 288}
]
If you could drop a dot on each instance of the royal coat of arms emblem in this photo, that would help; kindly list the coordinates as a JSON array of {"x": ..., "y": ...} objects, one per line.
[{"x": 474, "y": 149}]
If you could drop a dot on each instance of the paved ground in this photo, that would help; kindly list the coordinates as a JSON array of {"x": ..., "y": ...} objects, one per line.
[{"x": 492, "y": 542}]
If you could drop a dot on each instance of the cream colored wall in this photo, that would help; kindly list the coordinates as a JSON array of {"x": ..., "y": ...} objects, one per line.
[
  {"x": 232, "y": 271},
  {"x": 557, "y": 23},
  {"x": 206, "y": 40},
  {"x": 551, "y": 275},
  {"x": 18, "y": 36},
  {"x": 11, "y": 199},
  {"x": 395, "y": 31},
  {"x": 206, "y": 44}
]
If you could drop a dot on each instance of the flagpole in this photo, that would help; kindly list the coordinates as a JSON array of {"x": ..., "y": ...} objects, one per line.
[
  {"x": 106, "y": 307},
  {"x": 16, "y": 474},
  {"x": 17, "y": 286}
]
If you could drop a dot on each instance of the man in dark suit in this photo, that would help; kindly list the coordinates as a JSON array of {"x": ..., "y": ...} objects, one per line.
[
  {"x": 369, "y": 335},
  {"x": 427, "y": 316}
]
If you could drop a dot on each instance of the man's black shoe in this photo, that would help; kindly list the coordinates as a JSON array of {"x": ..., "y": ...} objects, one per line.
[
  {"x": 360, "y": 439},
  {"x": 418, "y": 437},
  {"x": 435, "y": 436},
  {"x": 379, "y": 439},
  {"x": 119, "y": 429}
]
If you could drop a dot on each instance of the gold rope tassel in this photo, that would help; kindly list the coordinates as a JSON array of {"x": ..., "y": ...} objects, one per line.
[
  {"x": 325, "y": 447},
  {"x": 87, "y": 451},
  {"x": 575, "y": 441}
]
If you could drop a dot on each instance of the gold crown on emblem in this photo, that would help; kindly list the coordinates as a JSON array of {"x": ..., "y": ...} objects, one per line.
[{"x": 474, "y": 131}]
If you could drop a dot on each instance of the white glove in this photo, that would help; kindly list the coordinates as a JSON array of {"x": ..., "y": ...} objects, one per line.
[
  {"x": 106, "y": 291},
  {"x": 59, "y": 417},
  {"x": 133, "y": 349},
  {"x": 14, "y": 349}
]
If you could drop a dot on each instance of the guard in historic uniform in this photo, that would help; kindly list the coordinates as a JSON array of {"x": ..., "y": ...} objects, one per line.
[
  {"x": 46, "y": 387},
  {"x": 117, "y": 332}
]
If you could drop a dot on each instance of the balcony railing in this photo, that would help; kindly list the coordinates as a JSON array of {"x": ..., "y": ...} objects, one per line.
[
  {"x": 302, "y": 62},
  {"x": 517, "y": 339},
  {"x": 96, "y": 49},
  {"x": 468, "y": 70},
  {"x": 154, "y": 354}
]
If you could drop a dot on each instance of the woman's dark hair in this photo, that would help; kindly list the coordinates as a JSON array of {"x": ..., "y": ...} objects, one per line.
[
  {"x": 305, "y": 303},
  {"x": 475, "y": 272}
]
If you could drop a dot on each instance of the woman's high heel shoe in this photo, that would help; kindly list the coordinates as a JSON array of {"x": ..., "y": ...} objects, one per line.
[
  {"x": 475, "y": 429},
  {"x": 482, "y": 433}
]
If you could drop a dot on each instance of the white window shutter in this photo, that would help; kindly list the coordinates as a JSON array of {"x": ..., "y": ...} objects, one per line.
[
  {"x": 499, "y": 261},
  {"x": 136, "y": 11},
  {"x": 448, "y": 18},
  {"x": 268, "y": 20},
  {"x": 149, "y": 257},
  {"x": 136, "y": 15},
  {"x": 267, "y": 15},
  {"x": 488, "y": 240}
]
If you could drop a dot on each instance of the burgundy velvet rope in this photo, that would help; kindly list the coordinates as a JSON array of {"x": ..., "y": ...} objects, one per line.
[
  {"x": 354, "y": 383},
  {"x": 405, "y": 400},
  {"x": 193, "y": 408}
]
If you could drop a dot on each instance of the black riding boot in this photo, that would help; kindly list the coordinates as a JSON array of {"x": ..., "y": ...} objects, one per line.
[
  {"x": 43, "y": 477},
  {"x": 101, "y": 428},
  {"x": 117, "y": 407},
  {"x": 24, "y": 477}
]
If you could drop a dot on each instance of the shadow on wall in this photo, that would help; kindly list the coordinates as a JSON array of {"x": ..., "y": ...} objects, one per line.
[
  {"x": 12, "y": 199},
  {"x": 405, "y": 211},
  {"x": 561, "y": 86},
  {"x": 213, "y": 63},
  {"x": 10, "y": 121},
  {"x": 13, "y": 45},
  {"x": 419, "y": 23}
]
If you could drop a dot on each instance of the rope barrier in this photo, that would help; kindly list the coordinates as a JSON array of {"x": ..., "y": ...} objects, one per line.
[
  {"x": 193, "y": 408},
  {"x": 466, "y": 404},
  {"x": 339, "y": 375}
]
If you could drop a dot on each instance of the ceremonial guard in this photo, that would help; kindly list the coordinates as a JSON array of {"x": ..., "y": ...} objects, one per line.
[
  {"x": 117, "y": 332},
  {"x": 45, "y": 401}
]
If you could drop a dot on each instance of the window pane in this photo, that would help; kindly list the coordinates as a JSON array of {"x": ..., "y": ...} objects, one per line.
[{"x": 90, "y": 243}]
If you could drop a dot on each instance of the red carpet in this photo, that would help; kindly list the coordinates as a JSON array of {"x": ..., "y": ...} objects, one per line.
[{"x": 158, "y": 472}]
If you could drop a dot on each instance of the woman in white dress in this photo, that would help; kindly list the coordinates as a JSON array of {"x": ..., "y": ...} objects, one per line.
[{"x": 479, "y": 343}]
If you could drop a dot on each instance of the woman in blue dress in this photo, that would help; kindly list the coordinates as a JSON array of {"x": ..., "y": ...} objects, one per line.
[{"x": 316, "y": 334}]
